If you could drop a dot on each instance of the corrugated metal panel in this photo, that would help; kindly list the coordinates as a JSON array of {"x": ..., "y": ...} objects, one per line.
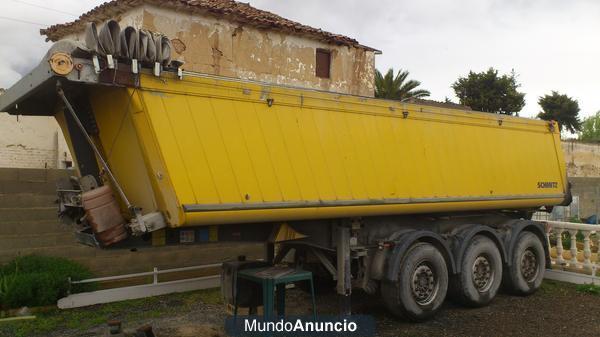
[{"x": 223, "y": 144}]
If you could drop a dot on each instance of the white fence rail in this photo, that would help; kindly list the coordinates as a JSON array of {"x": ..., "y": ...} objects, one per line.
[
  {"x": 140, "y": 291},
  {"x": 581, "y": 257}
]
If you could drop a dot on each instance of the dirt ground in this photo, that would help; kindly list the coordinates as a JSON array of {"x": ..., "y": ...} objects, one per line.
[{"x": 558, "y": 309}]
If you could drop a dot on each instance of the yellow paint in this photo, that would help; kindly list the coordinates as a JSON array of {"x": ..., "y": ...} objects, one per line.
[
  {"x": 213, "y": 233},
  {"x": 286, "y": 233},
  {"x": 212, "y": 141},
  {"x": 113, "y": 110}
]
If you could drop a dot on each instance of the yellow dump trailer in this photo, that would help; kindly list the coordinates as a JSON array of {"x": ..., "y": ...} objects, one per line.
[
  {"x": 188, "y": 158},
  {"x": 209, "y": 150}
]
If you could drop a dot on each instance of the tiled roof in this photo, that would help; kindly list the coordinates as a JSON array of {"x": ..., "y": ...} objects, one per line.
[{"x": 227, "y": 9}]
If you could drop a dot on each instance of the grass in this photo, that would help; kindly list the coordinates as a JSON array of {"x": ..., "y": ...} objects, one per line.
[
  {"x": 589, "y": 289},
  {"x": 550, "y": 287},
  {"x": 82, "y": 319}
]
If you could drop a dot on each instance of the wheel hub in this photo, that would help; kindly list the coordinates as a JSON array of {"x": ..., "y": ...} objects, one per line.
[
  {"x": 482, "y": 274},
  {"x": 529, "y": 265},
  {"x": 424, "y": 284}
]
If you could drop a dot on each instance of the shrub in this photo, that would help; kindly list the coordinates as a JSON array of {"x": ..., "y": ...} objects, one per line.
[{"x": 39, "y": 280}]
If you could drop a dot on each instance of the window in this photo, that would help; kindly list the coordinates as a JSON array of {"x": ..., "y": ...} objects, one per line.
[{"x": 323, "y": 63}]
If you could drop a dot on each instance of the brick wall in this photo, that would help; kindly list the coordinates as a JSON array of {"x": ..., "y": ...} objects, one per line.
[
  {"x": 22, "y": 156},
  {"x": 32, "y": 142}
]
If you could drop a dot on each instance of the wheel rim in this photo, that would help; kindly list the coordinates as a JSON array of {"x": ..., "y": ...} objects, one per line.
[
  {"x": 482, "y": 274},
  {"x": 529, "y": 265},
  {"x": 424, "y": 284}
]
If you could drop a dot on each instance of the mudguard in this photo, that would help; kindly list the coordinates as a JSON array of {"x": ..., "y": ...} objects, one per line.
[
  {"x": 512, "y": 231},
  {"x": 460, "y": 241},
  {"x": 405, "y": 241}
]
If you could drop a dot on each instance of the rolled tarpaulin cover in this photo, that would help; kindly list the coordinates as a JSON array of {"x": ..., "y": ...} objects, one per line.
[
  {"x": 151, "y": 52},
  {"x": 147, "y": 46},
  {"x": 110, "y": 38},
  {"x": 130, "y": 43},
  {"x": 163, "y": 49},
  {"x": 91, "y": 39}
]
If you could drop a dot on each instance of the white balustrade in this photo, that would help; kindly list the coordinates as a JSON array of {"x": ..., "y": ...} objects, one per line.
[
  {"x": 587, "y": 251},
  {"x": 590, "y": 263}
]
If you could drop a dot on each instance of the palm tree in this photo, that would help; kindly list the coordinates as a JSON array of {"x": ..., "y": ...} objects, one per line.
[{"x": 397, "y": 88}]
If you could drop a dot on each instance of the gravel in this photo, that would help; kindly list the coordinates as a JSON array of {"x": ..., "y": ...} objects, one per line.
[{"x": 557, "y": 309}]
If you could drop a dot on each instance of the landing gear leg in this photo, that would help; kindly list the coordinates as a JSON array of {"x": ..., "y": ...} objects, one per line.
[
  {"x": 344, "y": 276},
  {"x": 269, "y": 252}
]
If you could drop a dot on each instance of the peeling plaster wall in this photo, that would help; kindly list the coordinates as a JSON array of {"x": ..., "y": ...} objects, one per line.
[
  {"x": 583, "y": 170},
  {"x": 582, "y": 159},
  {"x": 220, "y": 47},
  {"x": 32, "y": 142}
]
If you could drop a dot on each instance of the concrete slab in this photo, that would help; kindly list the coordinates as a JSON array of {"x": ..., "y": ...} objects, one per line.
[
  {"x": 28, "y": 214},
  {"x": 26, "y": 200},
  {"x": 33, "y": 175},
  {"x": 19, "y": 242},
  {"x": 69, "y": 251},
  {"x": 11, "y": 228},
  {"x": 15, "y": 187},
  {"x": 9, "y": 174}
]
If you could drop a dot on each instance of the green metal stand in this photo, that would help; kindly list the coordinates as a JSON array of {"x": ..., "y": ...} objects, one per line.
[{"x": 271, "y": 285}]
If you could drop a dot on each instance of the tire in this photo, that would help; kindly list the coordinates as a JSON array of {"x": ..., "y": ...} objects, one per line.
[
  {"x": 410, "y": 299},
  {"x": 481, "y": 273},
  {"x": 528, "y": 262}
]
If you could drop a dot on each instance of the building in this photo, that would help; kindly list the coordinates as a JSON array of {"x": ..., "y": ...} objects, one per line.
[
  {"x": 234, "y": 39},
  {"x": 32, "y": 142}
]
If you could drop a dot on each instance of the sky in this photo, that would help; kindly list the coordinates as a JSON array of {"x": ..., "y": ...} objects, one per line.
[{"x": 550, "y": 44}]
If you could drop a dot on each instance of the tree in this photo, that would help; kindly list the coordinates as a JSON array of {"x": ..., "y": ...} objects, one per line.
[
  {"x": 397, "y": 87},
  {"x": 487, "y": 91},
  {"x": 560, "y": 108},
  {"x": 590, "y": 128}
]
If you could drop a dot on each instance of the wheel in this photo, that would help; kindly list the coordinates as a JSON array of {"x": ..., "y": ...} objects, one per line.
[
  {"x": 421, "y": 286},
  {"x": 528, "y": 261},
  {"x": 481, "y": 273}
]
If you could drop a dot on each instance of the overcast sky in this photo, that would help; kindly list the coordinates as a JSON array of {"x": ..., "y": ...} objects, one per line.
[{"x": 551, "y": 44}]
